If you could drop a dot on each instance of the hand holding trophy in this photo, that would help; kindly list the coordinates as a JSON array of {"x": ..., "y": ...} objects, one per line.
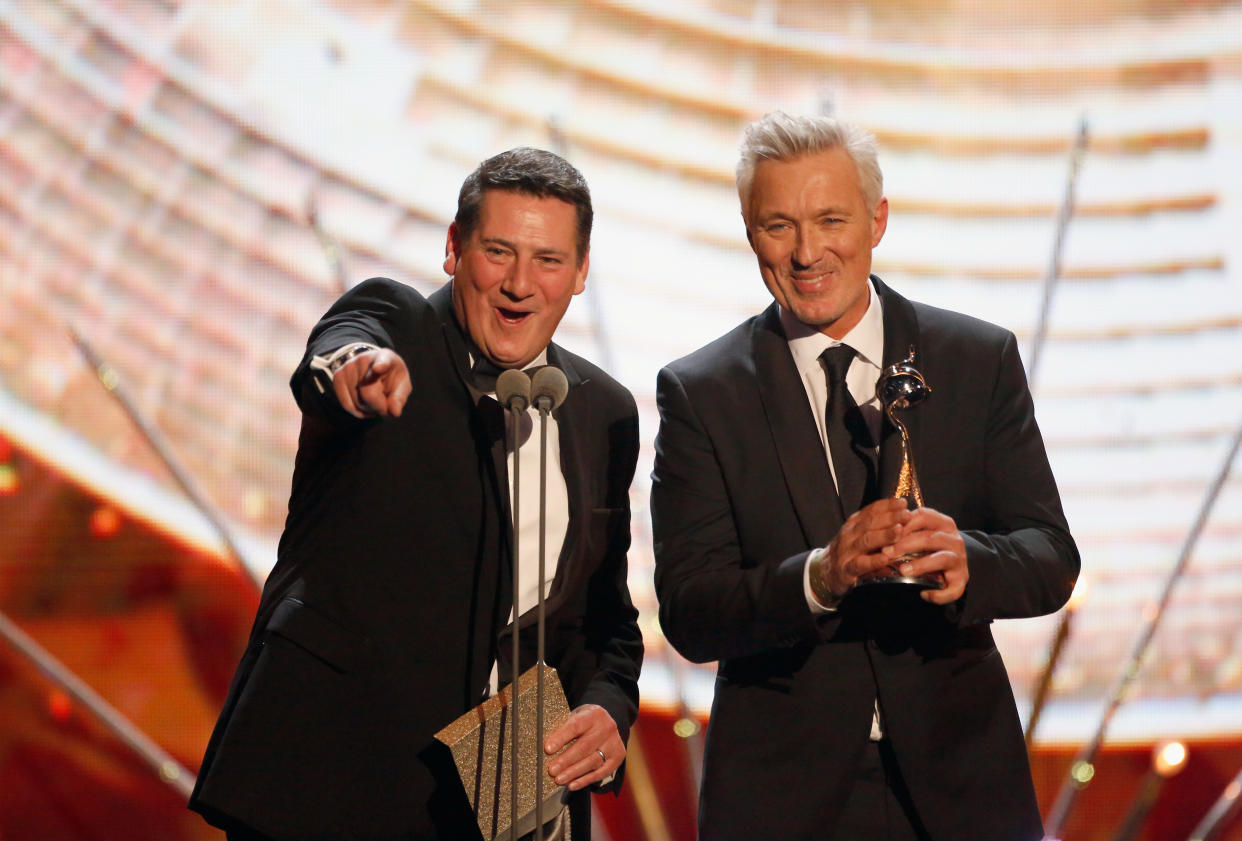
[{"x": 901, "y": 386}]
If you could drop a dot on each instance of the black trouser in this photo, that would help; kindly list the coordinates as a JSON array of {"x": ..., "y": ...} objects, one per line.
[{"x": 879, "y": 806}]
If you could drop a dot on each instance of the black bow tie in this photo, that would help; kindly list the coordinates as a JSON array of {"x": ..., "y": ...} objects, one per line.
[{"x": 485, "y": 372}]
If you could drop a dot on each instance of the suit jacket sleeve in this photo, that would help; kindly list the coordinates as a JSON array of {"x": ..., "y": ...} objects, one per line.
[
  {"x": 1021, "y": 557},
  {"x": 377, "y": 311},
  {"x": 611, "y": 621},
  {"x": 614, "y": 636},
  {"x": 714, "y": 602}
]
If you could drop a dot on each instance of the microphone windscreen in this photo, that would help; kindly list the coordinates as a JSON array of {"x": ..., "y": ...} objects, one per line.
[
  {"x": 549, "y": 383},
  {"x": 513, "y": 389}
]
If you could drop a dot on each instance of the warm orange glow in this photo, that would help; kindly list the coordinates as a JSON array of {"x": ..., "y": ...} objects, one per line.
[
  {"x": 59, "y": 705},
  {"x": 254, "y": 502},
  {"x": 105, "y": 521},
  {"x": 8, "y": 480},
  {"x": 1169, "y": 758},
  {"x": 1079, "y": 595}
]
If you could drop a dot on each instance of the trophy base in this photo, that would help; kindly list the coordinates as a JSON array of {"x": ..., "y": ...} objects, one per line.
[
  {"x": 907, "y": 582},
  {"x": 481, "y": 743},
  {"x": 892, "y": 577}
]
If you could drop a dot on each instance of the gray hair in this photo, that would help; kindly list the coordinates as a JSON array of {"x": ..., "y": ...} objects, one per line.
[
  {"x": 531, "y": 172},
  {"x": 780, "y": 137}
]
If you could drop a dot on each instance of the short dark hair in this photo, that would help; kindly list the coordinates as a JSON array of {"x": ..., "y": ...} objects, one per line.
[{"x": 532, "y": 172}]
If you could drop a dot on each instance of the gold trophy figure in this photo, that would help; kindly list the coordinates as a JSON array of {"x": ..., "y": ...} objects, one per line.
[{"x": 901, "y": 386}]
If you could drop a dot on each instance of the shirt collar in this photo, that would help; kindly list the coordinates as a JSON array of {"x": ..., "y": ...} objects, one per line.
[{"x": 867, "y": 338}]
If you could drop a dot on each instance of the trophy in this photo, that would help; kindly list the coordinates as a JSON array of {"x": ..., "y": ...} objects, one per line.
[
  {"x": 482, "y": 743},
  {"x": 901, "y": 386}
]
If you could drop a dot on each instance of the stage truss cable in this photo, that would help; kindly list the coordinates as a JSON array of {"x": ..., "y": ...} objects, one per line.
[
  {"x": 170, "y": 772},
  {"x": 110, "y": 379},
  {"x": 1053, "y": 275},
  {"x": 1082, "y": 769},
  {"x": 1222, "y": 812}
]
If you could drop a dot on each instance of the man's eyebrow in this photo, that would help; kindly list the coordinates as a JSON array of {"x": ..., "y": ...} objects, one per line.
[
  {"x": 831, "y": 210},
  {"x": 772, "y": 214},
  {"x": 545, "y": 250}
]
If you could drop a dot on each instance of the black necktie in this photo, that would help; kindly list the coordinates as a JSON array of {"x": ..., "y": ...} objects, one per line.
[{"x": 853, "y": 458}]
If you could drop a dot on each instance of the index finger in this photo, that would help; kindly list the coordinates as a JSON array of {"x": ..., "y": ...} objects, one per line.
[
  {"x": 573, "y": 727},
  {"x": 401, "y": 393}
]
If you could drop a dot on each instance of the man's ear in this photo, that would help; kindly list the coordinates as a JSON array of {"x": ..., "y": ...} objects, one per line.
[
  {"x": 580, "y": 277},
  {"x": 452, "y": 250},
  {"x": 879, "y": 222}
]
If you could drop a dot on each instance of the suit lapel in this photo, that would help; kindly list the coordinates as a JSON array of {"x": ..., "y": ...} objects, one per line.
[
  {"x": 491, "y": 425},
  {"x": 901, "y": 332},
  {"x": 489, "y": 435},
  {"x": 573, "y": 422},
  {"x": 493, "y": 571},
  {"x": 441, "y": 302},
  {"x": 486, "y": 434},
  {"x": 798, "y": 445}
]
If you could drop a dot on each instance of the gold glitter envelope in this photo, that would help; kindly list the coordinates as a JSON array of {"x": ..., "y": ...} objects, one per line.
[{"x": 481, "y": 744}]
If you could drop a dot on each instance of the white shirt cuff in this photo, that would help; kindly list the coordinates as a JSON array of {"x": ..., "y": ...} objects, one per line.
[
  {"x": 817, "y": 607},
  {"x": 324, "y": 368}
]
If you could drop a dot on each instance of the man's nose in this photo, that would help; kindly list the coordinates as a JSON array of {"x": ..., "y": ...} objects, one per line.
[
  {"x": 806, "y": 251},
  {"x": 519, "y": 282}
]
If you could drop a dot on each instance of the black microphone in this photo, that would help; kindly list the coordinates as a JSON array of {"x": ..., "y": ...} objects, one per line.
[
  {"x": 513, "y": 390},
  {"x": 549, "y": 388}
]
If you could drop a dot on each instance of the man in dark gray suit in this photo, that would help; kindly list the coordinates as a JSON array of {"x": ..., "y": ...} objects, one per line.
[
  {"x": 389, "y": 611},
  {"x": 841, "y": 712}
]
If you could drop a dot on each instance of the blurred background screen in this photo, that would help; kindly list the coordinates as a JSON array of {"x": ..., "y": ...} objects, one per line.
[{"x": 186, "y": 186}]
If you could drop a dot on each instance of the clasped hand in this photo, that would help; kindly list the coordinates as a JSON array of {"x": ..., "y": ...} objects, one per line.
[{"x": 876, "y": 535}]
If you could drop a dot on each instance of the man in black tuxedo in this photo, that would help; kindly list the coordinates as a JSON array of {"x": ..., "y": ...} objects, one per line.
[
  {"x": 845, "y": 712},
  {"x": 388, "y": 613}
]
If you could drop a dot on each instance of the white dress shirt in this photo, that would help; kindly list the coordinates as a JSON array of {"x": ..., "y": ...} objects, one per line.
[
  {"x": 527, "y": 529},
  {"x": 806, "y": 344}
]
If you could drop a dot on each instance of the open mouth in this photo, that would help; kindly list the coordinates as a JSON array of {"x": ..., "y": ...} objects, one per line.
[{"x": 509, "y": 316}]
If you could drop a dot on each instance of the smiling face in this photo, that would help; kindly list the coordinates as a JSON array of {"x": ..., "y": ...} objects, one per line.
[
  {"x": 812, "y": 232},
  {"x": 514, "y": 277}
]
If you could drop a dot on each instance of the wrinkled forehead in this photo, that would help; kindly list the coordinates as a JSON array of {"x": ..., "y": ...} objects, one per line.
[
  {"x": 816, "y": 180},
  {"x": 501, "y": 206}
]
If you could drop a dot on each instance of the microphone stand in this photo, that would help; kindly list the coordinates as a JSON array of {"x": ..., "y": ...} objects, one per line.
[
  {"x": 542, "y": 403},
  {"x": 513, "y": 389},
  {"x": 549, "y": 388},
  {"x": 479, "y": 733},
  {"x": 516, "y": 392}
]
